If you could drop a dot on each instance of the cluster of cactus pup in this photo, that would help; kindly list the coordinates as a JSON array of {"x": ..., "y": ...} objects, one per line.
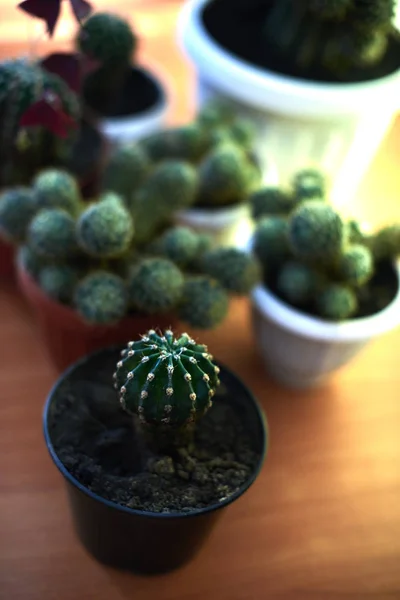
[
  {"x": 109, "y": 258},
  {"x": 312, "y": 257}
]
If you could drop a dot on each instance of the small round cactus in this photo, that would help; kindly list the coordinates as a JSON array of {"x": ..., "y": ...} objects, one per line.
[
  {"x": 226, "y": 176},
  {"x": 216, "y": 113},
  {"x": 101, "y": 298},
  {"x": 270, "y": 201},
  {"x": 179, "y": 244},
  {"x": 271, "y": 240},
  {"x": 55, "y": 188},
  {"x": 204, "y": 303},
  {"x": 336, "y": 302},
  {"x": 316, "y": 232},
  {"x": 356, "y": 265},
  {"x": 297, "y": 283},
  {"x": 105, "y": 228},
  {"x": 235, "y": 270},
  {"x": 243, "y": 132},
  {"x": 52, "y": 234},
  {"x": 17, "y": 208},
  {"x": 125, "y": 170},
  {"x": 385, "y": 244},
  {"x": 166, "y": 381},
  {"x": 188, "y": 142},
  {"x": 155, "y": 285},
  {"x": 171, "y": 186},
  {"x": 107, "y": 38},
  {"x": 309, "y": 184},
  {"x": 58, "y": 282}
]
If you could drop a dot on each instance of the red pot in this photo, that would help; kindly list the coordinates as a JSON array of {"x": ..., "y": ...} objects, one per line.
[
  {"x": 7, "y": 269},
  {"x": 68, "y": 338}
]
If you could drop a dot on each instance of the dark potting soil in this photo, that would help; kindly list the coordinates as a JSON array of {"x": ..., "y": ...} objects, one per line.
[
  {"x": 98, "y": 444},
  {"x": 238, "y": 28},
  {"x": 139, "y": 94},
  {"x": 373, "y": 297}
]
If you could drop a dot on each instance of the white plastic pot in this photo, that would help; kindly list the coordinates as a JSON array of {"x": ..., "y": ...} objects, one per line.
[
  {"x": 226, "y": 226},
  {"x": 130, "y": 129},
  {"x": 301, "y": 351},
  {"x": 335, "y": 127}
]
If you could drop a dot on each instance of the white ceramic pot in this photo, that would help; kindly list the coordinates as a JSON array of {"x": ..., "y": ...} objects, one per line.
[
  {"x": 301, "y": 351},
  {"x": 226, "y": 226},
  {"x": 130, "y": 129},
  {"x": 335, "y": 127}
]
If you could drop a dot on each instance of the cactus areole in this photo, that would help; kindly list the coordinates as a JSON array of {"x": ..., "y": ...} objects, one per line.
[{"x": 166, "y": 380}]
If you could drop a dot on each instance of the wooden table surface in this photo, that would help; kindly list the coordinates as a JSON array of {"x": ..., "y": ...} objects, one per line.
[{"x": 322, "y": 520}]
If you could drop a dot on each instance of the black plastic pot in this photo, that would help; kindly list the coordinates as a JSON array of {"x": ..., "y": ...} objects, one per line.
[{"x": 144, "y": 542}]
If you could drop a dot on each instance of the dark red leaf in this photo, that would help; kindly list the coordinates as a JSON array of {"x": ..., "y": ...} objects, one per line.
[
  {"x": 47, "y": 10},
  {"x": 45, "y": 113},
  {"x": 65, "y": 65},
  {"x": 81, "y": 9}
]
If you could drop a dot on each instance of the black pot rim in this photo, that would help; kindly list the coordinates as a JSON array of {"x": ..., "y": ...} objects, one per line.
[{"x": 175, "y": 515}]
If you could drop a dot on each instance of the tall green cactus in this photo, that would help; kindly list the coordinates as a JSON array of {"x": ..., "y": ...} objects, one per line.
[{"x": 166, "y": 381}]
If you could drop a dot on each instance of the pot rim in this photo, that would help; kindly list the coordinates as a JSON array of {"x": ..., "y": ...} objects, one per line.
[
  {"x": 267, "y": 90},
  {"x": 176, "y": 515},
  {"x": 213, "y": 218},
  {"x": 293, "y": 320}
]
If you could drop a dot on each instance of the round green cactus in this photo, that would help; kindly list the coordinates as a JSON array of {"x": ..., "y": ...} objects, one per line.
[
  {"x": 166, "y": 381},
  {"x": 243, "y": 132},
  {"x": 125, "y": 170},
  {"x": 52, "y": 234},
  {"x": 105, "y": 228},
  {"x": 188, "y": 142},
  {"x": 17, "y": 208},
  {"x": 385, "y": 244},
  {"x": 226, "y": 176},
  {"x": 270, "y": 242},
  {"x": 55, "y": 188},
  {"x": 107, "y": 38},
  {"x": 58, "y": 282},
  {"x": 171, "y": 186},
  {"x": 204, "y": 303},
  {"x": 297, "y": 283},
  {"x": 336, "y": 302},
  {"x": 155, "y": 285},
  {"x": 101, "y": 298},
  {"x": 316, "y": 232},
  {"x": 356, "y": 265},
  {"x": 309, "y": 184},
  {"x": 235, "y": 270},
  {"x": 179, "y": 244},
  {"x": 30, "y": 261},
  {"x": 270, "y": 201},
  {"x": 216, "y": 113}
]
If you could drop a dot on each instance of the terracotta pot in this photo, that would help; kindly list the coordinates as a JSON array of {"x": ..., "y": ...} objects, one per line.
[
  {"x": 68, "y": 338},
  {"x": 7, "y": 252}
]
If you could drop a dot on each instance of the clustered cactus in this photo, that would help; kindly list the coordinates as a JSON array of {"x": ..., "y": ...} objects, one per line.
[
  {"x": 24, "y": 150},
  {"x": 116, "y": 255},
  {"x": 337, "y": 37},
  {"x": 166, "y": 381},
  {"x": 313, "y": 258}
]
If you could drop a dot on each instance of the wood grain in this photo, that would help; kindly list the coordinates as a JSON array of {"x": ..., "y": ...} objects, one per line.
[{"x": 322, "y": 521}]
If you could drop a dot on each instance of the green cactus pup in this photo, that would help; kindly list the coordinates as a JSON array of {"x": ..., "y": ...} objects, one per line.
[
  {"x": 270, "y": 201},
  {"x": 235, "y": 270},
  {"x": 356, "y": 265},
  {"x": 309, "y": 184},
  {"x": 107, "y": 38},
  {"x": 165, "y": 381},
  {"x": 385, "y": 243},
  {"x": 204, "y": 303},
  {"x": 316, "y": 232},
  {"x": 51, "y": 234},
  {"x": 125, "y": 170},
  {"x": 180, "y": 244},
  {"x": 171, "y": 186},
  {"x": 297, "y": 283},
  {"x": 336, "y": 302},
  {"x": 54, "y": 188},
  {"x": 187, "y": 142},
  {"x": 271, "y": 240},
  {"x": 17, "y": 208},
  {"x": 101, "y": 298},
  {"x": 105, "y": 229},
  {"x": 155, "y": 285},
  {"x": 59, "y": 281}
]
